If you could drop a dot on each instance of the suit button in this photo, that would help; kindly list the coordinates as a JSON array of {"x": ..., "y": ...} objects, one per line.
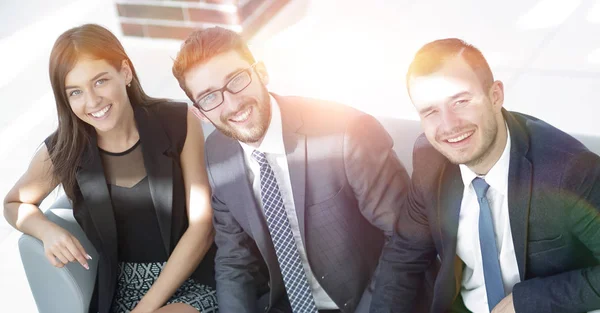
[{"x": 323, "y": 277}]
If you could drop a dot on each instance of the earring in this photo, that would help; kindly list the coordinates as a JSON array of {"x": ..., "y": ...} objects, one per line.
[{"x": 129, "y": 85}]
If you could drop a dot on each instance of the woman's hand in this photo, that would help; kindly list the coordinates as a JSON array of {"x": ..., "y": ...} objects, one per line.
[{"x": 61, "y": 247}]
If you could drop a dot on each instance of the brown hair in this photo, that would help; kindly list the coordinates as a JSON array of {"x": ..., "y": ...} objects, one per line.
[
  {"x": 432, "y": 56},
  {"x": 202, "y": 45},
  {"x": 72, "y": 136}
]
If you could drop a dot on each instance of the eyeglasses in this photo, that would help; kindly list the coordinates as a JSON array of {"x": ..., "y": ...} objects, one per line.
[{"x": 236, "y": 84}]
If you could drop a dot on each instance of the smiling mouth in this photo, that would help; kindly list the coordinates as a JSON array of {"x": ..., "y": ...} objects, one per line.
[
  {"x": 460, "y": 137},
  {"x": 241, "y": 116},
  {"x": 102, "y": 112}
]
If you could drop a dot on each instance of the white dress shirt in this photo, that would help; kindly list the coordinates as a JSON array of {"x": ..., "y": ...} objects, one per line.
[
  {"x": 273, "y": 148},
  {"x": 467, "y": 246}
]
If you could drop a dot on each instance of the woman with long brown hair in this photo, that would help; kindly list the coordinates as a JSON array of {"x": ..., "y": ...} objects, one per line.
[{"x": 133, "y": 168}]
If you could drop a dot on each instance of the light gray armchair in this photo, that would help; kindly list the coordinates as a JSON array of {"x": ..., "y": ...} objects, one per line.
[{"x": 67, "y": 289}]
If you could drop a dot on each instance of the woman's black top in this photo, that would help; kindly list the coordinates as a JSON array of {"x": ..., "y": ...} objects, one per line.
[{"x": 138, "y": 233}]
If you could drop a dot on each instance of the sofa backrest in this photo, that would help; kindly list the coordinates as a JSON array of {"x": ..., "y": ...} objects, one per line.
[{"x": 405, "y": 132}]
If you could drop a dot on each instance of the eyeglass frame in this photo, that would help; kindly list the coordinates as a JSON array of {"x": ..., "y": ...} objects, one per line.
[{"x": 224, "y": 88}]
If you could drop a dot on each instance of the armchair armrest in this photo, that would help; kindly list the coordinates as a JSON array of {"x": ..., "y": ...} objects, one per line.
[{"x": 68, "y": 289}]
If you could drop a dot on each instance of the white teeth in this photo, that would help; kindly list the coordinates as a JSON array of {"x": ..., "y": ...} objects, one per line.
[
  {"x": 101, "y": 112},
  {"x": 460, "y": 138},
  {"x": 241, "y": 117}
]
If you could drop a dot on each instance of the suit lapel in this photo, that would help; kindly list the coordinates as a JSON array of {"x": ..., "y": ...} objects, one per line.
[
  {"x": 295, "y": 149},
  {"x": 519, "y": 195},
  {"x": 92, "y": 184},
  {"x": 519, "y": 190},
  {"x": 450, "y": 199},
  {"x": 242, "y": 186},
  {"x": 156, "y": 149},
  {"x": 231, "y": 169}
]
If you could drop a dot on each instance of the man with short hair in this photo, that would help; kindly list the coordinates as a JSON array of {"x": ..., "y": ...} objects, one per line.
[
  {"x": 508, "y": 203},
  {"x": 304, "y": 191}
]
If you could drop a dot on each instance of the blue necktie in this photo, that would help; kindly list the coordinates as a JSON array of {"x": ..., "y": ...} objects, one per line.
[
  {"x": 294, "y": 278},
  {"x": 489, "y": 251}
]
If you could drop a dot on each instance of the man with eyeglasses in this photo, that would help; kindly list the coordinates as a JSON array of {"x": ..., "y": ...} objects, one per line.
[{"x": 304, "y": 191}]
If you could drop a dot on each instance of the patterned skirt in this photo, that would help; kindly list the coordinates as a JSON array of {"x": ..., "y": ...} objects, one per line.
[{"x": 135, "y": 279}]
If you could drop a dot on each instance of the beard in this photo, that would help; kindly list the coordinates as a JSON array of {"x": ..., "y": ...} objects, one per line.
[
  {"x": 262, "y": 119},
  {"x": 490, "y": 135},
  {"x": 489, "y": 131}
]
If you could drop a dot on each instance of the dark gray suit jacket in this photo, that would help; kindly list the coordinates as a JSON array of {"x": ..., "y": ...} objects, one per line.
[
  {"x": 347, "y": 185},
  {"x": 553, "y": 201}
]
